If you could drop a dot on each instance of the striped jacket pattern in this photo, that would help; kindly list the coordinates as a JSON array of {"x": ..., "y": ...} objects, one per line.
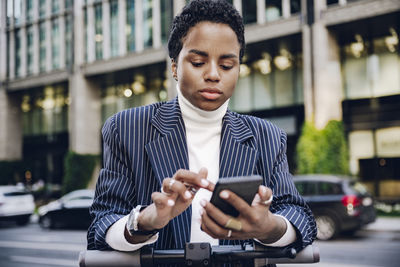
[{"x": 144, "y": 145}]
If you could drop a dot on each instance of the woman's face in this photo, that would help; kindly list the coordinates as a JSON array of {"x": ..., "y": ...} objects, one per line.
[{"x": 207, "y": 67}]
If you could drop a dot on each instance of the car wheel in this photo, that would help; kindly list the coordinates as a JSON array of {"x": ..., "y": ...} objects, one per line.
[
  {"x": 326, "y": 226},
  {"x": 46, "y": 222}
]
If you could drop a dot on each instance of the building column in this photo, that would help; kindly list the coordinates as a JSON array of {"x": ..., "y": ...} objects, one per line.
[
  {"x": 12, "y": 55},
  {"x": 91, "y": 46},
  {"x": 106, "y": 24},
  {"x": 238, "y": 5},
  {"x": 139, "y": 25},
  {"x": 10, "y": 127},
  {"x": 3, "y": 42},
  {"x": 285, "y": 9},
  {"x": 260, "y": 11},
  {"x": 328, "y": 93},
  {"x": 178, "y": 5},
  {"x": 156, "y": 13},
  {"x": 85, "y": 108},
  {"x": 122, "y": 27},
  {"x": 35, "y": 38},
  {"x": 84, "y": 115}
]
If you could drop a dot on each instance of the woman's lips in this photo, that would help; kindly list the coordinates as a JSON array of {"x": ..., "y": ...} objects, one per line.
[{"x": 210, "y": 94}]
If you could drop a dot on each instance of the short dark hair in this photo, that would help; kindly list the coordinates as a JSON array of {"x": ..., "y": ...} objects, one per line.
[{"x": 218, "y": 11}]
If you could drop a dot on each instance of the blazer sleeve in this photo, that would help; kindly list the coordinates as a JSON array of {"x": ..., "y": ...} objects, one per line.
[
  {"x": 288, "y": 202},
  {"x": 115, "y": 193}
]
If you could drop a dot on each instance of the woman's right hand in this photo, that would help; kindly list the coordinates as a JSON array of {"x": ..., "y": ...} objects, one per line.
[{"x": 175, "y": 197}]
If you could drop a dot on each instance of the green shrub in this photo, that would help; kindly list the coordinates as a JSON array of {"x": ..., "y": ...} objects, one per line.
[
  {"x": 78, "y": 171},
  {"x": 322, "y": 151}
]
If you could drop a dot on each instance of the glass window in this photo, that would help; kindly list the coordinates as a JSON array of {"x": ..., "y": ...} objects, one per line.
[
  {"x": 68, "y": 4},
  {"x": 42, "y": 47},
  {"x": 68, "y": 40},
  {"x": 42, "y": 8},
  {"x": 273, "y": 9},
  {"x": 10, "y": 11},
  {"x": 249, "y": 11},
  {"x": 55, "y": 6},
  {"x": 148, "y": 23},
  {"x": 167, "y": 14},
  {"x": 130, "y": 25},
  {"x": 55, "y": 43},
  {"x": 29, "y": 49},
  {"x": 29, "y": 10},
  {"x": 98, "y": 31},
  {"x": 17, "y": 11},
  {"x": 332, "y": 2},
  {"x": 295, "y": 6},
  {"x": 326, "y": 188},
  {"x": 114, "y": 28},
  {"x": 17, "y": 53},
  {"x": 85, "y": 18}
]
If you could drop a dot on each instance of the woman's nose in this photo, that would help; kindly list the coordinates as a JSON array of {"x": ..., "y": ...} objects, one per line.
[{"x": 212, "y": 73}]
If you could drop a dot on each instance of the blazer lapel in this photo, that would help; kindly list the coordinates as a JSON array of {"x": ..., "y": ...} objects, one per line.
[
  {"x": 238, "y": 154},
  {"x": 167, "y": 154}
]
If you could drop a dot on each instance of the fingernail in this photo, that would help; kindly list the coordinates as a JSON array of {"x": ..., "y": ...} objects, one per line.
[
  {"x": 170, "y": 202},
  {"x": 205, "y": 182},
  {"x": 188, "y": 195},
  {"x": 224, "y": 194},
  {"x": 203, "y": 203},
  {"x": 263, "y": 190}
]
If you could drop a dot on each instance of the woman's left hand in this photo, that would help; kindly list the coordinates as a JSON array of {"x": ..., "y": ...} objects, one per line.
[{"x": 255, "y": 221}]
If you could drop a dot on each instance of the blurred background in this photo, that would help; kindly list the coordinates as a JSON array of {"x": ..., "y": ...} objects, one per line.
[{"x": 325, "y": 71}]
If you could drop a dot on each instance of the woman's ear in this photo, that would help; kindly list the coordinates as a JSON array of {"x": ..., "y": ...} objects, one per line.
[{"x": 174, "y": 67}]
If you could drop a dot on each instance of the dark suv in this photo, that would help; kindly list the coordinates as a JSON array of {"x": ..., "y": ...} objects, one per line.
[{"x": 339, "y": 204}]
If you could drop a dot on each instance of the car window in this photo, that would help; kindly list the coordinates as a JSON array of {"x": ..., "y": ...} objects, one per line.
[
  {"x": 16, "y": 193},
  {"x": 326, "y": 188},
  {"x": 359, "y": 188},
  {"x": 306, "y": 188}
]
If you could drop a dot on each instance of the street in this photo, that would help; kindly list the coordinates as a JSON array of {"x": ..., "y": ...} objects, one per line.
[{"x": 377, "y": 245}]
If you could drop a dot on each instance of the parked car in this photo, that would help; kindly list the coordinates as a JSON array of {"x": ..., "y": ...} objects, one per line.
[
  {"x": 16, "y": 204},
  {"x": 71, "y": 210},
  {"x": 339, "y": 204}
]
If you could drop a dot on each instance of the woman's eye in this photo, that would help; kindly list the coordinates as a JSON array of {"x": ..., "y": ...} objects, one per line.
[
  {"x": 226, "y": 67},
  {"x": 197, "y": 64}
]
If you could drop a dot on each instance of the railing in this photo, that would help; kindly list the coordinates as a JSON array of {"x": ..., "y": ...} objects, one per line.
[{"x": 200, "y": 254}]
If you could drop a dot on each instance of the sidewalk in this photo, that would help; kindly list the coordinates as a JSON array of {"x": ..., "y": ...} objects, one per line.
[{"x": 391, "y": 224}]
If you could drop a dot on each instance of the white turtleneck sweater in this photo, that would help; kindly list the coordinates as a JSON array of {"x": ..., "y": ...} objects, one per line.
[{"x": 203, "y": 135}]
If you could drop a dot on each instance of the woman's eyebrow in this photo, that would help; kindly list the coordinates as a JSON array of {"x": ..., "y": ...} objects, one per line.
[{"x": 205, "y": 54}]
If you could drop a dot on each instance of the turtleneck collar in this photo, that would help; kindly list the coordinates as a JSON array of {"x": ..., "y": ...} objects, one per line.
[{"x": 193, "y": 114}]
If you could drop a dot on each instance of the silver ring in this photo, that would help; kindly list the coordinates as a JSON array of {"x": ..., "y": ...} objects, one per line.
[
  {"x": 267, "y": 202},
  {"x": 171, "y": 183},
  {"x": 229, "y": 233}
]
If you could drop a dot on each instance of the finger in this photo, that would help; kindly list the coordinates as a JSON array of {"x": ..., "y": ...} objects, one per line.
[
  {"x": 161, "y": 200},
  {"x": 215, "y": 214},
  {"x": 212, "y": 228},
  {"x": 171, "y": 186},
  {"x": 265, "y": 195},
  {"x": 237, "y": 202},
  {"x": 197, "y": 180}
]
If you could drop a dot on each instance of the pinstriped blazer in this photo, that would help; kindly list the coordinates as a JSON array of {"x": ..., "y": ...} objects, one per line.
[{"x": 144, "y": 145}]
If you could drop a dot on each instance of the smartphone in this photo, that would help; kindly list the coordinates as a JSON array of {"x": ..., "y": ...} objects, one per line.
[{"x": 245, "y": 187}]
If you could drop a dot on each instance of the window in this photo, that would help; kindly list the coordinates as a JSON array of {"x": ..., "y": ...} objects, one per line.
[
  {"x": 68, "y": 40},
  {"x": 17, "y": 53},
  {"x": 55, "y": 6},
  {"x": 86, "y": 42},
  {"x": 17, "y": 12},
  {"x": 295, "y": 6},
  {"x": 29, "y": 49},
  {"x": 148, "y": 23},
  {"x": 10, "y": 12},
  {"x": 68, "y": 4},
  {"x": 130, "y": 25},
  {"x": 249, "y": 11},
  {"x": 273, "y": 9},
  {"x": 98, "y": 31},
  {"x": 42, "y": 47},
  {"x": 42, "y": 8},
  {"x": 326, "y": 188},
  {"x": 29, "y": 10},
  {"x": 114, "y": 28},
  {"x": 167, "y": 14},
  {"x": 55, "y": 43}
]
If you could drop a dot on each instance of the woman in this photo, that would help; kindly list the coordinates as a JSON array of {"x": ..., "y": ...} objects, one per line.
[{"x": 161, "y": 161}]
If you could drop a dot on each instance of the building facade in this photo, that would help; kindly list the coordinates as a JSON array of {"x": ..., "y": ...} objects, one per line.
[{"x": 66, "y": 66}]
